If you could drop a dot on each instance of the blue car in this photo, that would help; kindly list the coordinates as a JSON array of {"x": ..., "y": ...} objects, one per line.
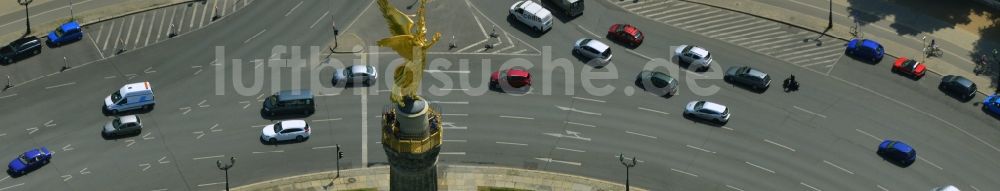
[
  {"x": 67, "y": 33},
  {"x": 897, "y": 152},
  {"x": 29, "y": 160},
  {"x": 992, "y": 104},
  {"x": 865, "y": 49}
]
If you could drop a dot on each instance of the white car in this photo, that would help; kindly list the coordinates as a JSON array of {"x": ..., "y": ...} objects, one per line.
[
  {"x": 707, "y": 110},
  {"x": 592, "y": 49},
  {"x": 129, "y": 124},
  {"x": 365, "y": 74},
  {"x": 296, "y": 130},
  {"x": 532, "y": 14},
  {"x": 695, "y": 56}
]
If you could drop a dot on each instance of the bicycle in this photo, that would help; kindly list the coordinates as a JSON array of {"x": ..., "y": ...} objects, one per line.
[
  {"x": 933, "y": 51},
  {"x": 981, "y": 65}
]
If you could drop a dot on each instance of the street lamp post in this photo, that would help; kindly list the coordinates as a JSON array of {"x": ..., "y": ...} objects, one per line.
[
  {"x": 225, "y": 168},
  {"x": 829, "y": 25},
  {"x": 71, "y": 10},
  {"x": 628, "y": 165},
  {"x": 27, "y": 17}
]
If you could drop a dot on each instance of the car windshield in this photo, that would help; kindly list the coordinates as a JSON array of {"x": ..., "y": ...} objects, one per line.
[
  {"x": 585, "y": 41},
  {"x": 699, "y": 105},
  {"x": 116, "y": 123},
  {"x": 115, "y": 97},
  {"x": 59, "y": 33},
  {"x": 277, "y": 127},
  {"x": 607, "y": 53},
  {"x": 23, "y": 158},
  {"x": 910, "y": 64},
  {"x": 638, "y": 35}
]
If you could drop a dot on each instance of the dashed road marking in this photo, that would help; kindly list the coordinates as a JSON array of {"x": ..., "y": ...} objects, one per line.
[
  {"x": 13, "y": 186},
  {"x": 145, "y": 166},
  {"x": 163, "y": 160},
  {"x": 293, "y": 8},
  {"x": 68, "y": 147},
  {"x": 580, "y": 124},
  {"x": 60, "y": 85},
  {"x": 574, "y": 150},
  {"x": 550, "y": 160},
  {"x": 880, "y": 187},
  {"x": 700, "y": 149},
  {"x": 779, "y": 145},
  {"x": 208, "y": 157},
  {"x": 455, "y": 114},
  {"x": 760, "y": 167},
  {"x": 682, "y": 172},
  {"x": 838, "y": 167},
  {"x": 322, "y": 120},
  {"x": 576, "y": 110},
  {"x": 130, "y": 142},
  {"x": 814, "y": 188},
  {"x": 7, "y": 96},
  {"x": 516, "y": 117},
  {"x": 324, "y": 147},
  {"x": 509, "y": 143},
  {"x": 810, "y": 112},
  {"x": 210, "y": 184},
  {"x": 254, "y": 36},
  {"x": 589, "y": 99},
  {"x": 448, "y": 71},
  {"x": 319, "y": 19},
  {"x": 930, "y": 163},
  {"x": 652, "y": 110},
  {"x": 640, "y": 134},
  {"x": 868, "y": 134},
  {"x": 274, "y": 151},
  {"x": 453, "y": 153},
  {"x": 451, "y": 102},
  {"x": 733, "y": 187}
]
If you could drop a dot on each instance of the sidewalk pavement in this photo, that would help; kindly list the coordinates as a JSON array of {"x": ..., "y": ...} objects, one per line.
[
  {"x": 450, "y": 177},
  {"x": 957, "y": 44}
]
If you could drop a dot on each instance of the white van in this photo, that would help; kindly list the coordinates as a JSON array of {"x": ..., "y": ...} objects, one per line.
[
  {"x": 129, "y": 97},
  {"x": 532, "y": 14}
]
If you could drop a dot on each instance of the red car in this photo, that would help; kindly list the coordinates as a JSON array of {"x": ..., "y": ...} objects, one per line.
[
  {"x": 515, "y": 77},
  {"x": 909, "y": 67},
  {"x": 625, "y": 34}
]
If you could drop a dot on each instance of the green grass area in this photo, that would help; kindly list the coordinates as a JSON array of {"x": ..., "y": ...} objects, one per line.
[{"x": 490, "y": 188}]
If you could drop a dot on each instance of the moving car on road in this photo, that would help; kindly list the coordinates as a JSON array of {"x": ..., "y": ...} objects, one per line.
[
  {"x": 533, "y": 15},
  {"x": 593, "y": 50},
  {"x": 625, "y": 34},
  {"x": 708, "y": 111},
  {"x": 365, "y": 74},
  {"x": 897, "y": 152},
  {"x": 958, "y": 86},
  {"x": 20, "y": 49},
  {"x": 129, "y": 124},
  {"x": 130, "y": 97},
  {"x": 296, "y": 130},
  {"x": 694, "y": 56},
  {"x": 29, "y": 161},
  {"x": 865, "y": 49},
  {"x": 514, "y": 77},
  {"x": 289, "y": 102},
  {"x": 747, "y": 76},
  {"x": 991, "y": 104},
  {"x": 656, "y": 82},
  {"x": 909, "y": 67},
  {"x": 66, "y": 33}
]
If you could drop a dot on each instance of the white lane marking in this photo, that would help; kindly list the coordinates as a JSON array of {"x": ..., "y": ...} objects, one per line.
[
  {"x": 293, "y": 8},
  {"x": 60, "y": 85},
  {"x": 202, "y": 103},
  {"x": 577, "y": 110},
  {"x": 780, "y": 145},
  {"x": 225, "y": 3},
  {"x": 454, "y": 89},
  {"x": 163, "y": 160},
  {"x": 810, "y": 112},
  {"x": 652, "y": 110},
  {"x": 638, "y": 54},
  {"x": 210, "y": 184},
  {"x": 128, "y": 34},
  {"x": 516, "y": 117},
  {"x": 4, "y": 178},
  {"x": 247, "y": 104},
  {"x": 455, "y": 114},
  {"x": 814, "y": 188},
  {"x": 682, "y": 172},
  {"x": 550, "y": 160},
  {"x": 587, "y": 31},
  {"x": 574, "y": 150},
  {"x": 68, "y": 147},
  {"x": 159, "y": 30},
  {"x": 49, "y": 123},
  {"x": 149, "y": 31},
  {"x": 194, "y": 14},
  {"x": 451, "y": 102},
  {"x": 161, "y": 189},
  {"x": 838, "y": 167},
  {"x": 171, "y": 28},
  {"x": 880, "y": 187},
  {"x": 254, "y": 36},
  {"x": 971, "y": 186},
  {"x": 589, "y": 99},
  {"x": 112, "y": 31},
  {"x": 324, "y": 147},
  {"x": 7, "y": 96},
  {"x": 930, "y": 163},
  {"x": 455, "y": 140},
  {"x": 186, "y": 110},
  {"x": 147, "y": 137},
  {"x": 274, "y": 151},
  {"x": 700, "y": 149},
  {"x": 580, "y": 124},
  {"x": 66, "y": 177},
  {"x": 509, "y": 143},
  {"x": 640, "y": 134},
  {"x": 869, "y": 134},
  {"x": 9, "y": 187},
  {"x": 145, "y": 166},
  {"x": 142, "y": 22},
  {"x": 204, "y": 10},
  {"x": 448, "y": 71},
  {"x": 453, "y": 153},
  {"x": 31, "y": 130},
  {"x": 320, "y": 19},
  {"x": 760, "y": 167},
  {"x": 149, "y": 70},
  {"x": 322, "y": 120},
  {"x": 569, "y": 134},
  {"x": 921, "y": 111},
  {"x": 364, "y": 127},
  {"x": 733, "y": 187},
  {"x": 199, "y": 133}
]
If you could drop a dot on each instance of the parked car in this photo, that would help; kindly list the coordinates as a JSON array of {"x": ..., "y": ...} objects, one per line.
[
  {"x": 66, "y": 33},
  {"x": 365, "y": 74},
  {"x": 570, "y": 8},
  {"x": 626, "y": 34},
  {"x": 130, "y": 97},
  {"x": 129, "y": 124},
  {"x": 20, "y": 49},
  {"x": 289, "y": 102},
  {"x": 29, "y": 161},
  {"x": 296, "y": 130},
  {"x": 532, "y": 14},
  {"x": 694, "y": 56},
  {"x": 991, "y": 104},
  {"x": 897, "y": 152},
  {"x": 514, "y": 77},
  {"x": 909, "y": 67},
  {"x": 958, "y": 86},
  {"x": 708, "y": 111},
  {"x": 748, "y": 76},
  {"x": 593, "y": 50},
  {"x": 865, "y": 49},
  {"x": 656, "y": 82}
]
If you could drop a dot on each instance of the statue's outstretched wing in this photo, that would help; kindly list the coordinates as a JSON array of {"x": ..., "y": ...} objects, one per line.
[{"x": 399, "y": 23}]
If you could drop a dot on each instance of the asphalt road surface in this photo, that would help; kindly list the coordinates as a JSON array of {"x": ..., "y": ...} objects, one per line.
[{"x": 822, "y": 137}]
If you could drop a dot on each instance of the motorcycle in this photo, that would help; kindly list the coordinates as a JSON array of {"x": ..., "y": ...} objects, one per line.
[{"x": 790, "y": 84}]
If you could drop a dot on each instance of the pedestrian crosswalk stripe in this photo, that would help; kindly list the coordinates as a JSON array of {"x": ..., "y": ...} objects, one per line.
[
  {"x": 714, "y": 13},
  {"x": 758, "y": 27}
]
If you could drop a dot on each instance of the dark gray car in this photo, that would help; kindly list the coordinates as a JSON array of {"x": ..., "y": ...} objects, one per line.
[
  {"x": 20, "y": 49},
  {"x": 958, "y": 86},
  {"x": 290, "y": 102},
  {"x": 656, "y": 82},
  {"x": 749, "y": 77}
]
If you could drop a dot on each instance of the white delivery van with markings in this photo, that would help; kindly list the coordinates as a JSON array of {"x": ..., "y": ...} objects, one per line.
[{"x": 130, "y": 97}]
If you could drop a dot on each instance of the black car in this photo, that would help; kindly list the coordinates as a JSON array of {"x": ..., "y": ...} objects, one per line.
[
  {"x": 20, "y": 49},
  {"x": 289, "y": 102},
  {"x": 656, "y": 82},
  {"x": 747, "y": 76},
  {"x": 958, "y": 86}
]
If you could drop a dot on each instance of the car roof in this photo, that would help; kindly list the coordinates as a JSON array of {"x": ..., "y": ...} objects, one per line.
[
  {"x": 133, "y": 87},
  {"x": 517, "y": 72},
  {"x": 128, "y": 119},
  {"x": 714, "y": 107},
  {"x": 963, "y": 81},
  {"x": 665, "y": 77},
  {"x": 69, "y": 25},
  {"x": 870, "y": 43},
  {"x": 597, "y": 45},
  {"x": 903, "y": 147},
  {"x": 358, "y": 69},
  {"x": 33, "y": 152},
  {"x": 25, "y": 40},
  {"x": 696, "y": 50},
  {"x": 536, "y": 9},
  {"x": 286, "y": 95},
  {"x": 756, "y": 73},
  {"x": 630, "y": 29},
  {"x": 293, "y": 124}
]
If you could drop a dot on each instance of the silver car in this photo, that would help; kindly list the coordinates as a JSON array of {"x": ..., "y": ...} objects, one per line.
[
  {"x": 129, "y": 124},
  {"x": 592, "y": 50},
  {"x": 296, "y": 130},
  {"x": 695, "y": 56},
  {"x": 364, "y": 74},
  {"x": 708, "y": 111}
]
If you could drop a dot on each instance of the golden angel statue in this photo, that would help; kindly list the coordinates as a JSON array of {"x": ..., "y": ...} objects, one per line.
[{"x": 409, "y": 44}]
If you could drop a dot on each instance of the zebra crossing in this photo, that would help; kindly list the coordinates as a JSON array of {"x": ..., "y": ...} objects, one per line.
[
  {"x": 118, "y": 35},
  {"x": 790, "y": 44}
]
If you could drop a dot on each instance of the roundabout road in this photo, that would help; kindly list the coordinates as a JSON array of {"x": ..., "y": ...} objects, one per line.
[{"x": 822, "y": 137}]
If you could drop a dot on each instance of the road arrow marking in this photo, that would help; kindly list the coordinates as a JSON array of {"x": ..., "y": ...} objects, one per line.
[
  {"x": 577, "y": 110},
  {"x": 68, "y": 147}
]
